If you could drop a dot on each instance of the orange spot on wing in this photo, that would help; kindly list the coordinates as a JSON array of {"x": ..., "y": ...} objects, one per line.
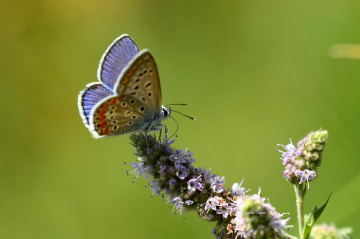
[
  {"x": 101, "y": 112},
  {"x": 134, "y": 68},
  {"x": 106, "y": 131},
  {"x": 131, "y": 73},
  {"x": 104, "y": 107},
  {"x": 102, "y": 125},
  {"x": 121, "y": 97},
  {"x": 126, "y": 81},
  {"x": 101, "y": 118},
  {"x": 113, "y": 101}
]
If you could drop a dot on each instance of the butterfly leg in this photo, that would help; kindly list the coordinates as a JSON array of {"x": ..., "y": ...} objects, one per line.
[
  {"x": 145, "y": 134},
  {"x": 161, "y": 130},
  {"x": 166, "y": 133},
  {"x": 160, "y": 136},
  {"x": 158, "y": 127}
]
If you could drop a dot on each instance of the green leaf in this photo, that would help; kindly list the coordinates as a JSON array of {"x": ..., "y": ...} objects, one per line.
[{"x": 311, "y": 218}]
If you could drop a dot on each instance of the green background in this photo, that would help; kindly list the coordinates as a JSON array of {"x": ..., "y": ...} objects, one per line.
[{"x": 254, "y": 73}]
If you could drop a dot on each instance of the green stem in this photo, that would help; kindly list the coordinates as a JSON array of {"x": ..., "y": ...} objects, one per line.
[{"x": 300, "y": 196}]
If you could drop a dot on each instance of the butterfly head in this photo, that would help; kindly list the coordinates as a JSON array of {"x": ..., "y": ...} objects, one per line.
[{"x": 165, "y": 112}]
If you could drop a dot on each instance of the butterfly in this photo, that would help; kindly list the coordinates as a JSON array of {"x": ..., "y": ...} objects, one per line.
[{"x": 128, "y": 97}]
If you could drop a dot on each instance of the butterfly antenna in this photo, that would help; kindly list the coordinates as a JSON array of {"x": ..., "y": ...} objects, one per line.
[
  {"x": 177, "y": 127},
  {"x": 192, "y": 118},
  {"x": 181, "y": 113},
  {"x": 177, "y": 104}
]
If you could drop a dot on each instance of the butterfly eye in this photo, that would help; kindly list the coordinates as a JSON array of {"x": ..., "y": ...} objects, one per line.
[
  {"x": 130, "y": 123},
  {"x": 150, "y": 70},
  {"x": 134, "y": 117},
  {"x": 165, "y": 113},
  {"x": 136, "y": 87},
  {"x": 149, "y": 94},
  {"x": 132, "y": 101},
  {"x": 123, "y": 104},
  {"x": 142, "y": 108},
  {"x": 137, "y": 80}
]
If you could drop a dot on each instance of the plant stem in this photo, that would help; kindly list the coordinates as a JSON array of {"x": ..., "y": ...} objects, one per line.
[{"x": 300, "y": 196}]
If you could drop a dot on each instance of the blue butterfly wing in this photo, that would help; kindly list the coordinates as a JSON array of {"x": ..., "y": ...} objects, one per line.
[
  {"x": 136, "y": 104},
  {"x": 88, "y": 98},
  {"x": 115, "y": 59}
]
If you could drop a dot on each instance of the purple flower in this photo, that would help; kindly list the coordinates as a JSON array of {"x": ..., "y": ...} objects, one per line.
[
  {"x": 168, "y": 149},
  {"x": 194, "y": 184},
  {"x": 181, "y": 173},
  {"x": 178, "y": 204},
  {"x": 306, "y": 175},
  {"x": 138, "y": 167},
  {"x": 212, "y": 203},
  {"x": 224, "y": 210},
  {"x": 254, "y": 218},
  {"x": 155, "y": 187},
  {"x": 181, "y": 157},
  {"x": 162, "y": 168},
  {"x": 237, "y": 189},
  {"x": 172, "y": 182},
  {"x": 302, "y": 162},
  {"x": 217, "y": 184},
  {"x": 197, "y": 189}
]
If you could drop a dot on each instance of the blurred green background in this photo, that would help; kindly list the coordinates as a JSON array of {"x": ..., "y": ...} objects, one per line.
[{"x": 254, "y": 73}]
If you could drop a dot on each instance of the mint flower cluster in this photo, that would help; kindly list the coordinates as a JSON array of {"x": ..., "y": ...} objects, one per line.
[
  {"x": 302, "y": 162},
  {"x": 237, "y": 215},
  {"x": 324, "y": 231},
  {"x": 253, "y": 217}
]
